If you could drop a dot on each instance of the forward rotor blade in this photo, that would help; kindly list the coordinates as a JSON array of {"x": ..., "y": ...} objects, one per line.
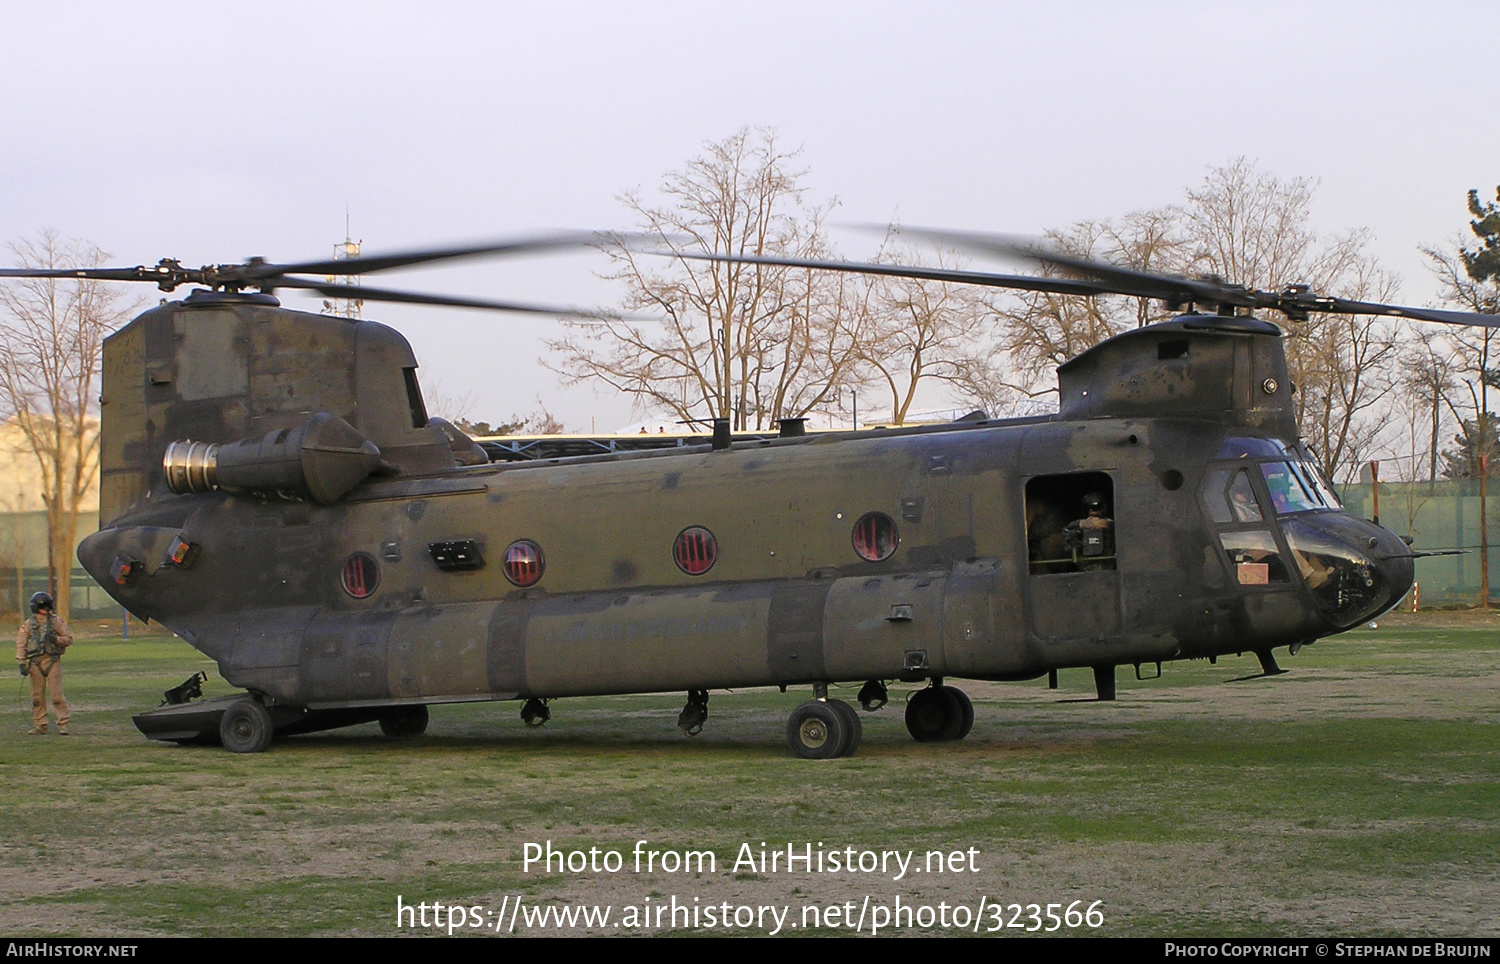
[
  {"x": 1115, "y": 279},
  {"x": 363, "y": 293},
  {"x": 1340, "y": 306},
  {"x": 1060, "y": 286},
  {"x": 1173, "y": 289}
]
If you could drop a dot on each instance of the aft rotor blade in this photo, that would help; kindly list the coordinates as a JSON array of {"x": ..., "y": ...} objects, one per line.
[
  {"x": 363, "y": 293},
  {"x": 405, "y": 259},
  {"x": 1060, "y": 286},
  {"x": 137, "y": 273}
]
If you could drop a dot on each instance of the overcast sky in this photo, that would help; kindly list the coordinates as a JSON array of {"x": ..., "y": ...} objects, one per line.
[{"x": 211, "y": 132}]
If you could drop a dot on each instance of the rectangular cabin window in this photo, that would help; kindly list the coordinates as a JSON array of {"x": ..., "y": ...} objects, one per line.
[
  {"x": 414, "y": 399},
  {"x": 1070, "y": 523}
]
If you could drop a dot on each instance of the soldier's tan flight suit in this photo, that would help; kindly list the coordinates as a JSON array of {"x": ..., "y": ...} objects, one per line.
[{"x": 43, "y": 661}]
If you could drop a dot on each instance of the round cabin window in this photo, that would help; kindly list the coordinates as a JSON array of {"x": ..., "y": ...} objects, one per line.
[
  {"x": 361, "y": 575},
  {"x": 524, "y": 563},
  {"x": 875, "y": 537},
  {"x": 695, "y": 551}
]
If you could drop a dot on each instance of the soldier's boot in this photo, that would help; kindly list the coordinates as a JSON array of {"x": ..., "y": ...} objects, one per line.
[
  {"x": 62, "y": 729},
  {"x": 37, "y": 731}
]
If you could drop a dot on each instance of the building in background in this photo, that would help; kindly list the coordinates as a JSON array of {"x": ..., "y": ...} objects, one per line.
[{"x": 23, "y": 532}]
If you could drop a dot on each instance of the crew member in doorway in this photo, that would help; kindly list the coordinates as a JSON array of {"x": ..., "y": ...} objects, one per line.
[{"x": 1092, "y": 538}]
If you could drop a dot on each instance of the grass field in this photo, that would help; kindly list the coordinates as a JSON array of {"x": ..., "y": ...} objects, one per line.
[{"x": 1357, "y": 795}]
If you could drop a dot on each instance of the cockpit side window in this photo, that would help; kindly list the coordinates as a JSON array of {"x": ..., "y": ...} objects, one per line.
[{"x": 1229, "y": 498}]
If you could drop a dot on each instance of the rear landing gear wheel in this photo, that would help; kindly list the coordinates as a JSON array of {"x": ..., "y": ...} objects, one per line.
[
  {"x": 939, "y": 714},
  {"x": 246, "y": 727},
  {"x": 817, "y": 730},
  {"x": 404, "y": 721}
]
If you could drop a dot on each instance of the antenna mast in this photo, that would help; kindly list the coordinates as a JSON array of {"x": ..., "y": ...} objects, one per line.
[{"x": 351, "y": 306}]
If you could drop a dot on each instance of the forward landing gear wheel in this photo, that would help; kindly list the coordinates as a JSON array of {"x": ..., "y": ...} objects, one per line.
[
  {"x": 856, "y": 729},
  {"x": 818, "y": 731},
  {"x": 245, "y": 727},
  {"x": 939, "y": 714},
  {"x": 404, "y": 721}
]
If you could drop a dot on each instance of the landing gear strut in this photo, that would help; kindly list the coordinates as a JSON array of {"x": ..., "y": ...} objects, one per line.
[
  {"x": 1104, "y": 683},
  {"x": 1268, "y": 664},
  {"x": 939, "y": 714},
  {"x": 872, "y": 696},
  {"x": 534, "y": 712},
  {"x": 403, "y": 722},
  {"x": 691, "y": 719}
]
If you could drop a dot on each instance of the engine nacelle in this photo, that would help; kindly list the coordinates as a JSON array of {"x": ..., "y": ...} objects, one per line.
[{"x": 322, "y": 460}]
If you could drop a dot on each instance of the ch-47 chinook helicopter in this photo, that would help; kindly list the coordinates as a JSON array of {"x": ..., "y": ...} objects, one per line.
[{"x": 274, "y": 492}]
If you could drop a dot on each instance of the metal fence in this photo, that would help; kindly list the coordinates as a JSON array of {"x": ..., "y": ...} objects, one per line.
[{"x": 1437, "y": 516}]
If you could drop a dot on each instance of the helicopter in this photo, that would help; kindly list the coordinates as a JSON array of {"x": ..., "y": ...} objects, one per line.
[{"x": 274, "y": 492}]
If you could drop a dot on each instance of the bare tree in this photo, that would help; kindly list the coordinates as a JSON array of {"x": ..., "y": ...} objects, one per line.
[
  {"x": 539, "y": 422},
  {"x": 1427, "y": 383},
  {"x": 1043, "y": 330},
  {"x": 751, "y": 343},
  {"x": 49, "y": 371},
  {"x": 1470, "y": 279},
  {"x": 1248, "y": 227},
  {"x": 913, "y": 331}
]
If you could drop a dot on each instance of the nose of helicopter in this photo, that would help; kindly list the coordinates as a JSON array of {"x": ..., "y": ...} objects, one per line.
[
  {"x": 1355, "y": 568},
  {"x": 118, "y": 558}
]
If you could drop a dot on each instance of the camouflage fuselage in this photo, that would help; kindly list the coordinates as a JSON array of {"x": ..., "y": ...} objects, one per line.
[{"x": 968, "y": 590}]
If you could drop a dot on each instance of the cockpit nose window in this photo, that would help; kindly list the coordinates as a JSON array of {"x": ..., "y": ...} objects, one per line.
[
  {"x": 1256, "y": 560},
  {"x": 1346, "y": 582}
]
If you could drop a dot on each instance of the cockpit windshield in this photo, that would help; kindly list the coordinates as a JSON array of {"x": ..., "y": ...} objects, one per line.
[{"x": 1297, "y": 487}]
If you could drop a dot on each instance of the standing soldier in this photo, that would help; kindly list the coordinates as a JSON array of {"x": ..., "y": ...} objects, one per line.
[{"x": 39, "y": 648}]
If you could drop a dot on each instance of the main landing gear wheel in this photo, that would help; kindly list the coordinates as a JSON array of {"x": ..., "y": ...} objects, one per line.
[
  {"x": 245, "y": 727},
  {"x": 939, "y": 714},
  {"x": 966, "y": 707},
  {"x": 856, "y": 729},
  {"x": 402, "y": 722},
  {"x": 820, "y": 730}
]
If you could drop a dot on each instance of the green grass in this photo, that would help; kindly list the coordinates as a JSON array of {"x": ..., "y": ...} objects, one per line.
[{"x": 1359, "y": 794}]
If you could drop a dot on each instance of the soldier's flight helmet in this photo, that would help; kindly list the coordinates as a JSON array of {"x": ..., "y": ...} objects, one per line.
[
  {"x": 1092, "y": 502},
  {"x": 43, "y": 600}
]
